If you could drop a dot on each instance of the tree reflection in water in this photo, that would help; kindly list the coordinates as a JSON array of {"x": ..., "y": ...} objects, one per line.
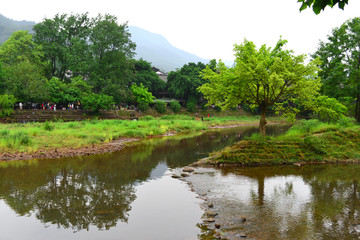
[
  {"x": 87, "y": 191},
  {"x": 308, "y": 202}
]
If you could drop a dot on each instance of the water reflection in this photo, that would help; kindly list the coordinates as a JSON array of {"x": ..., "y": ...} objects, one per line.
[
  {"x": 286, "y": 202},
  {"x": 99, "y": 191}
]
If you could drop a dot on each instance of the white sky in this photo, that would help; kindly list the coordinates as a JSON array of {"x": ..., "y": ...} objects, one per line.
[{"x": 207, "y": 28}]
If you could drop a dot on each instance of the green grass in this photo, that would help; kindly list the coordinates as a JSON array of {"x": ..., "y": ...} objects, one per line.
[
  {"x": 306, "y": 141},
  {"x": 31, "y": 137}
]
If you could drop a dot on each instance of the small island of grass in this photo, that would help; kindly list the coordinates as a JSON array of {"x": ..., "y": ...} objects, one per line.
[{"x": 308, "y": 141}]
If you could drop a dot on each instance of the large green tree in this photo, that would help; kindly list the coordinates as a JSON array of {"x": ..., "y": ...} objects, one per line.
[
  {"x": 143, "y": 74},
  {"x": 65, "y": 43},
  {"x": 23, "y": 68},
  {"x": 340, "y": 56},
  {"x": 264, "y": 78},
  {"x": 98, "y": 49},
  {"x": 112, "y": 50},
  {"x": 184, "y": 82},
  {"x": 318, "y": 5}
]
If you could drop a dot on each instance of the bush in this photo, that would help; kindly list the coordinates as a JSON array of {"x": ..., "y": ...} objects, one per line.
[
  {"x": 147, "y": 118},
  {"x": 217, "y": 108},
  {"x": 160, "y": 107},
  {"x": 7, "y": 105},
  {"x": 143, "y": 106},
  {"x": 94, "y": 102},
  {"x": 346, "y": 122},
  {"x": 175, "y": 106},
  {"x": 48, "y": 126}
]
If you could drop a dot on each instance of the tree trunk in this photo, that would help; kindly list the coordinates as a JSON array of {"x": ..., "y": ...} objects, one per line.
[{"x": 262, "y": 124}]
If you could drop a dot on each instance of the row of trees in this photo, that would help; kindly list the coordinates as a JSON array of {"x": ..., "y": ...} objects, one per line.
[{"x": 74, "y": 58}]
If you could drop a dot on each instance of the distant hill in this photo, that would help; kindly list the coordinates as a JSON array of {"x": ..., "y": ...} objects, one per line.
[
  {"x": 151, "y": 47},
  {"x": 156, "y": 49},
  {"x": 8, "y": 26}
]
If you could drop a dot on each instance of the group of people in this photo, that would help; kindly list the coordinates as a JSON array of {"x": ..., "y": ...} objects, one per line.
[{"x": 46, "y": 106}]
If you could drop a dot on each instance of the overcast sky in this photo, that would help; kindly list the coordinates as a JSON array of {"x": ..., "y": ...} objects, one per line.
[{"x": 206, "y": 28}]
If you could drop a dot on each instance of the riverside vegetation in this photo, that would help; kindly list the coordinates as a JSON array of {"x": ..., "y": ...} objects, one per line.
[
  {"x": 308, "y": 141},
  {"x": 33, "y": 137}
]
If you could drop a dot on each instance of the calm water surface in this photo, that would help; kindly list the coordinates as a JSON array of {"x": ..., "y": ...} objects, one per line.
[
  {"x": 130, "y": 195},
  {"x": 284, "y": 202},
  {"x": 123, "y": 195}
]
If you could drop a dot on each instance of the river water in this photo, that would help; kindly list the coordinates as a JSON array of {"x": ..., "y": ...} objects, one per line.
[{"x": 130, "y": 195}]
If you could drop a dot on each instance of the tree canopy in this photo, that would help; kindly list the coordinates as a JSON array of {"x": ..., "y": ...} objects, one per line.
[
  {"x": 318, "y": 5},
  {"x": 340, "y": 63},
  {"x": 264, "y": 78},
  {"x": 98, "y": 49},
  {"x": 184, "y": 82}
]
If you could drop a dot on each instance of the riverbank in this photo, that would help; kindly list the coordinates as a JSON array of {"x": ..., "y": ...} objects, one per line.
[
  {"x": 307, "y": 142},
  {"x": 66, "y": 139}
]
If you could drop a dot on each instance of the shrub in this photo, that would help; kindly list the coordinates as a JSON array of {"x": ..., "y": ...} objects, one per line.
[
  {"x": 143, "y": 106},
  {"x": 48, "y": 126},
  {"x": 175, "y": 106},
  {"x": 160, "y": 107},
  {"x": 94, "y": 102},
  {"x": 147, "y": 118},
  {"x": 217, "y": 108},
  {"x": 7, "y": 105},
  {"x": 190, "y": 106}
]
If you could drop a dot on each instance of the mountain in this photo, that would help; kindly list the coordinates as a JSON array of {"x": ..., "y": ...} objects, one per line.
[
  {"x": 156, "y": 49},
  {"x": 8, "y": 26},
  {"x": 151, "y": 47}
]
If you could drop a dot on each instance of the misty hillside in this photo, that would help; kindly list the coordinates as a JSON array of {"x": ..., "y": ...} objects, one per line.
[
  {"x": 156, "y": 49},
  {"x": 8, "y": 26},
  {"x": 151, "y": 47}
]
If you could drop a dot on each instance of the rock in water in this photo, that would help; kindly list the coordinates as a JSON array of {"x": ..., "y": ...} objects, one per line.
[
  {"x": 211, "y": 213},
  {"x": 188, "y": 169},
  {"x": 184, "y": 175},
  {"x": 175, "y": 176}
]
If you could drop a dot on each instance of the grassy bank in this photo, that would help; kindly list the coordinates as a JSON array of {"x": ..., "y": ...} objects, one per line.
[
  {"x": 31, "y": 137},
  {"x": 306, "y": 141}
]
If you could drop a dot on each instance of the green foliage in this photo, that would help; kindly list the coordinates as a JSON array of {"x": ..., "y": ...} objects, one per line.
[
  {"x": 184, "y": 82},
  {"x": 217, "y": 108},
  {"x": 318, "y": 5},
  {"x": 143, "y": 107},
  {"x": 262, "y": 78},
  {"x": 340, "y": 63},
  {"x": 23, "y": 68},
  {"x": 20, "y": 47},
  {"x": 329, "y": 109},
  {"x": 94, "y": 102},
  {"x": 48, "y": 126},
  {"x": 191, "y": 104},
  {"x": 146, "y": 76},
  {"x": 98, "y": 48},
  {"x": 175, "y": 106},
  {"x": 160, "y": 106},
  {"x": 7, "y": 105},
  {"x": 346, "y": 122},
  {"x": 141, "y": 94},
  {"x": 147, "y": 118}
]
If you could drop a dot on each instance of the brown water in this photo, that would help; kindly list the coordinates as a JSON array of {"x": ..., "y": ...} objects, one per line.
[
  {"x": 130, "y": 195},
  {"x": 124, "y": 195}
]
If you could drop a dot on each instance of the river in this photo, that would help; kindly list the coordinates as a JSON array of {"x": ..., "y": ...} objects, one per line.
[{"x": 130, "y": 195}]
